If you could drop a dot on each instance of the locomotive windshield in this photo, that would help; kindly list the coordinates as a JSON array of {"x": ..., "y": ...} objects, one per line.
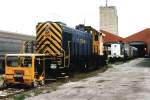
[{"x": 21, "y": 61}]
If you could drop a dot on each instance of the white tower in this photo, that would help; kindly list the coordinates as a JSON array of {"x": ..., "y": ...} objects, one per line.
[{"x": 109, "y": 19}]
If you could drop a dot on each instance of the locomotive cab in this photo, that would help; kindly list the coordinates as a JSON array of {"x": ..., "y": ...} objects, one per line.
[{"x": 24, "y": 69}]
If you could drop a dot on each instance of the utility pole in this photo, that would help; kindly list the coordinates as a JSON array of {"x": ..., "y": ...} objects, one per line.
[{"x": 84, "y": 22}]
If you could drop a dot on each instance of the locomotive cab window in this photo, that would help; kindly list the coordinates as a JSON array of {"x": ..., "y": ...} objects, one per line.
[
  {"x": 25, "y": 61},
  {"x": 22, "y": 61},
  {"x": 12, "y": 61}
]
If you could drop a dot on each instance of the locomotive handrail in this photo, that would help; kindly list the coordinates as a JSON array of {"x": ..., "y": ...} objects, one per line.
[
  {"x": 63, "y": 55},
  {"x": 69, "y": 53},
  {"x": 68, "y": 56}
]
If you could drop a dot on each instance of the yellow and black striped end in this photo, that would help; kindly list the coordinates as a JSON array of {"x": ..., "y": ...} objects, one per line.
[{"x": 49, "y": 38}]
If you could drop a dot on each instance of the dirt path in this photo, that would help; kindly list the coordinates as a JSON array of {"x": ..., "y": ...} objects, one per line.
[{"x": 128, "y": 81}]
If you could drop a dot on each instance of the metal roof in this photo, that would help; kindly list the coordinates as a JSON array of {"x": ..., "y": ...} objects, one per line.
[{"x": 15, "y": 36}]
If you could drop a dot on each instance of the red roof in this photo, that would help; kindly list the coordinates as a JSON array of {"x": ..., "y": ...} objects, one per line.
[
  {"x": 143, "y": 35},
  {"x": 109, "y": 37}
]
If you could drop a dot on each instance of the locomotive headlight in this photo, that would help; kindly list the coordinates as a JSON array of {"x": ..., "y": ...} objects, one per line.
[{"x": 53, "y": 66}]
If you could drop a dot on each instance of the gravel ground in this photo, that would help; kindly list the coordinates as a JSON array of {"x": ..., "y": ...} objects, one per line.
[{"x": 128, "y": 81}]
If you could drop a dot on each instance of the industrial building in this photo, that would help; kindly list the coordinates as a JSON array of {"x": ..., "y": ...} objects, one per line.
[
  {"x": 11, "y": 42},
  {"x": 140, "y": 40},
  {"x": 109, "y": 19}
]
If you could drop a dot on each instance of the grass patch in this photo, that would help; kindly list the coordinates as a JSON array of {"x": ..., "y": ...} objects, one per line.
[
  {"x": 1, "y": 78},
  {"x": 109, "y": 66},
  {"x": 19, "y": 97},
  {"x": 89, "y": 74},
  {"x": 37, "y": 91}
]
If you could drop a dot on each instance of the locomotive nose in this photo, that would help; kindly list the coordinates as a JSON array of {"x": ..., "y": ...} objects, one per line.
[{"x": 49, "y": 38}]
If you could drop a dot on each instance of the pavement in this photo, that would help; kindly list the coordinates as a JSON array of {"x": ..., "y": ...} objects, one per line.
[{"x": 128, "y": 81}]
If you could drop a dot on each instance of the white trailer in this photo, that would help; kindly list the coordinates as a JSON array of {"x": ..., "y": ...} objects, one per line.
[{"x": 116, "y": 50}]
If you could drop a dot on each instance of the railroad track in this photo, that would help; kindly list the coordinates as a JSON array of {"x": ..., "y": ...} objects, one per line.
[{"x": 11, "y": 91}]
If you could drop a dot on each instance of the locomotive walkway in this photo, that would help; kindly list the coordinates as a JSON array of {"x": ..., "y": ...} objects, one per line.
[{"x": 128, "y": 81}]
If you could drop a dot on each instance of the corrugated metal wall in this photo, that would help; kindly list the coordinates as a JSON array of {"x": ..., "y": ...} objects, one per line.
[{"x": 12, "y": 42}]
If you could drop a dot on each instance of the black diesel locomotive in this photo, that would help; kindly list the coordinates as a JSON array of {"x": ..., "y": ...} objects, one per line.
[{"x": 67, "y": 49}]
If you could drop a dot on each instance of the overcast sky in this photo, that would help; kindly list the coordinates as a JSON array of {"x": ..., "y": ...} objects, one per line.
[{"x": 23, "y": 15}]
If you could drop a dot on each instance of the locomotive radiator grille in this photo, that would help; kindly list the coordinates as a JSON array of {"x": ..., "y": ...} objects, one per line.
[{"x": 49, "y": 38}]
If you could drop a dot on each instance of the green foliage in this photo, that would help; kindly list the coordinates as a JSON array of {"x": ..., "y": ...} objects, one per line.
[{"x": 19, "y": 97}]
